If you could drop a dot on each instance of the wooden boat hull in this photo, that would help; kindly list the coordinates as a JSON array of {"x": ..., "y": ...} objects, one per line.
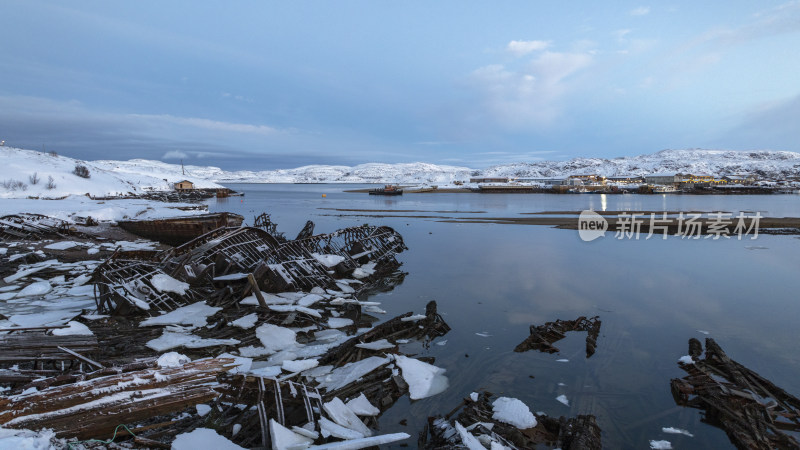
[
  {"x": 382, "y": 192},
  {"x": 180, "y": 230}
]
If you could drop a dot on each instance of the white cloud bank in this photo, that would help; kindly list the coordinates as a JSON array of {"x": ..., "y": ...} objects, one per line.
[{"x": 521, "y": 48}]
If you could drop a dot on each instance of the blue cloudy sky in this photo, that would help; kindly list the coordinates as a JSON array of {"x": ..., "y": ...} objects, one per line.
[{"x": 264, "y": 85}]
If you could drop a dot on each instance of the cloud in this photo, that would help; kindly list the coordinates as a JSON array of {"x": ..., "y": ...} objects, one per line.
[
  {"x": 640, "y": 11},
  {"x": 207, "y": 124},
  {"x": 175, "y": 154},
  {"x": 521, "y": 48},
  {"x": 530, "y": 96}
]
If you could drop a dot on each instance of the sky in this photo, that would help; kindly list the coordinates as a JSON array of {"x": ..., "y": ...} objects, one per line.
[{"x": 266, "y": 85}]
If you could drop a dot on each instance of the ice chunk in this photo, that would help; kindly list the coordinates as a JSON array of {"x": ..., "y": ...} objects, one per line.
[
  {"x": 413, "y": 318},
  {"x": 63, "y": 245},
  {"x": 671, "y": 430},
  {"x": 330, "y": 428},
  {"x": 248, "y": 321},
  {"x": 172, "y": 359},
  {"x": 267, "y": 372},
  {"x": 299, "y": 365},
  {"x": 660, "y": 445},
  {"x": 367, "y": 442},
  {"x": 284, "y": 438},
  {"x": 203, "y": 438},
  {"x": 194, "y": 315},
  {"x": 351, "y": 372},
  {"x": 424, "y": 380},
  {"x": 290, "y": 308},
  {"x": 468, "y": 439},
  {"x": 202, "y": 409},
  {"x": 513, "y": 412},
  {"x": 268, "y": 298},
  {"x": 336, "y": 322},
  {"x": 56, "y": 317},
  {"x": 562, "y": 360},
  {"x": 473, "y": 396},
  {"x": 381, "y": 344},
  {"x": 483, "y": 334},
  {"x": 75, "y": 328},
  {"x": 171, "y": 339},
  {"x": 275, "y": 338},
  {"x": 342, "y": 415},
  {"x": 362, "y": 407},
  {"x": 562, "y": 399},
  {"x": 309, "y": 300},
  {"x": 328, "y": 260},
  {"x": 37, "y": 288},
  {"x": 686, "y": 359},
  {"x": 27, "y": 439},
  {"x": 165, "y": 283}
]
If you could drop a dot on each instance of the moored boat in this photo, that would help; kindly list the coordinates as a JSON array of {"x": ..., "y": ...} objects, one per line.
[
  {"x": 389, "y": 189},
  {"x": 179, "y": 230}
]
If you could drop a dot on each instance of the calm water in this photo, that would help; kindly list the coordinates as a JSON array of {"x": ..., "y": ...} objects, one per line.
[{"x": 652, "y": 296}]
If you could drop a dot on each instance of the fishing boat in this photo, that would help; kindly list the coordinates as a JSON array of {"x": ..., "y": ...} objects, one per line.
[
  {"x": 179, "y": 230},
  {"x": 389, "y": 189}
]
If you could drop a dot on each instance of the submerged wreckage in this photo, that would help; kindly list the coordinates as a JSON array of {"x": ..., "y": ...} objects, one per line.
[{"x": 265, "y": 341}]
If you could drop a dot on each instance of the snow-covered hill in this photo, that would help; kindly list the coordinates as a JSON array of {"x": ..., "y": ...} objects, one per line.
[
  {"x": 136, "y": 176},
  {"x": 20, "y": 169},
  {"x": 764, "y": 163}
]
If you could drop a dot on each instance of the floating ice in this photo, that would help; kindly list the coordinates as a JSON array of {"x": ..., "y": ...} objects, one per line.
[
  {"x": 75, "y": 328},
  {"x": 513, "y": 412},
  {"x": 342, "y": 415},
  {"x": 172, "y": 359},
  {"x": 329, "y": 428},
  {"x": 483, "y": 334},
  {"x": 424, "y": 380},
  {"x": 562, "y": 399},
  {"x": 284, "y": 438},
  {"x": 660, "y": 445},
  {"x": 473, "y": 396},
  {"x": 299, "y": 365},
  {"x": 671, "y": 430},
  {"x": 165, "y": 283},
  {"x": 328, "y": 260},
  {"x": 171, "y": 339},
  {"x": 362, "y": 407},
  {"x": 381, "y": 344},
  {"x": 248, "y": 321},
  {"x": 37, "y": 288},
  {"x": 275, "y": 338},
  {"x": 413, "y": 318},
  {"x": 63, "y": 245},
  {"x": 336, "y": 322},
  {"x": 562, "y": 360},
  {"x": 350, "y": 372},
  {"x": 194, "y": 315},
  {"x": 203, "y": 438},
  {"x": 468, "y": 439},
  {"x": 686, "y": 359}
]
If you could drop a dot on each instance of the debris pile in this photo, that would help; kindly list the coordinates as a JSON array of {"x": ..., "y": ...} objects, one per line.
[
  {"x": 543, "y": 337},
  {"x": 754, "y": 412},
  {"x": 256, "y": 340},
  {"x": 506, "y": 423}
]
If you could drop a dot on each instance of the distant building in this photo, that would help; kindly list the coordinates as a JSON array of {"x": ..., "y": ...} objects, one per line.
[
  {"x": 626, "y": 180},
  {"x": 184, "y": 185},
  {"x": 663, "y": 179},
  {"x": 739, "y": 179},
  {"x": 490, "y": 180},
  {"x": 589, "y": 179},
  {"x": 548, "y": 181}
]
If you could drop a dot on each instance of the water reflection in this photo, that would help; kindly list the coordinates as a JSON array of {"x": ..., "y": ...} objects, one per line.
[{"x": 652, "y": 296}]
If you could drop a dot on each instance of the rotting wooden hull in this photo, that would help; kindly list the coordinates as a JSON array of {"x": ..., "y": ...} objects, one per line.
[
  {"x": 384, "y": 192},
  {"x": 179, "y": 230}
]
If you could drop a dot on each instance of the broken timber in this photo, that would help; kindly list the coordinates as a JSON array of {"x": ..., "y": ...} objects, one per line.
[
  {"x": 754, "y": 413},
  {"x": 543, "y": 337}
]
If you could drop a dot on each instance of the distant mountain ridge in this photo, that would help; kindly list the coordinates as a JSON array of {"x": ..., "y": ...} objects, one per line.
[
  {"x": 764, "y": 163},
  {"x": 139, "y": 175}
]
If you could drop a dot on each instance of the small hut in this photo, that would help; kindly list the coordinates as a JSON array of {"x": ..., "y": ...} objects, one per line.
[{"x": 184, "y": 185}]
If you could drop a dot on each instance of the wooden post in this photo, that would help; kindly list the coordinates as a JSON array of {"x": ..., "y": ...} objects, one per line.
[{"x": 256, "y": 290}]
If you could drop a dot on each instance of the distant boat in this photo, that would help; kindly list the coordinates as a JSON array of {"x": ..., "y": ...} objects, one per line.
[
  {"x": 180, "y": 230},
  {"x": 389, "y": 189},
  {"x": 664, "y": 189}
]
